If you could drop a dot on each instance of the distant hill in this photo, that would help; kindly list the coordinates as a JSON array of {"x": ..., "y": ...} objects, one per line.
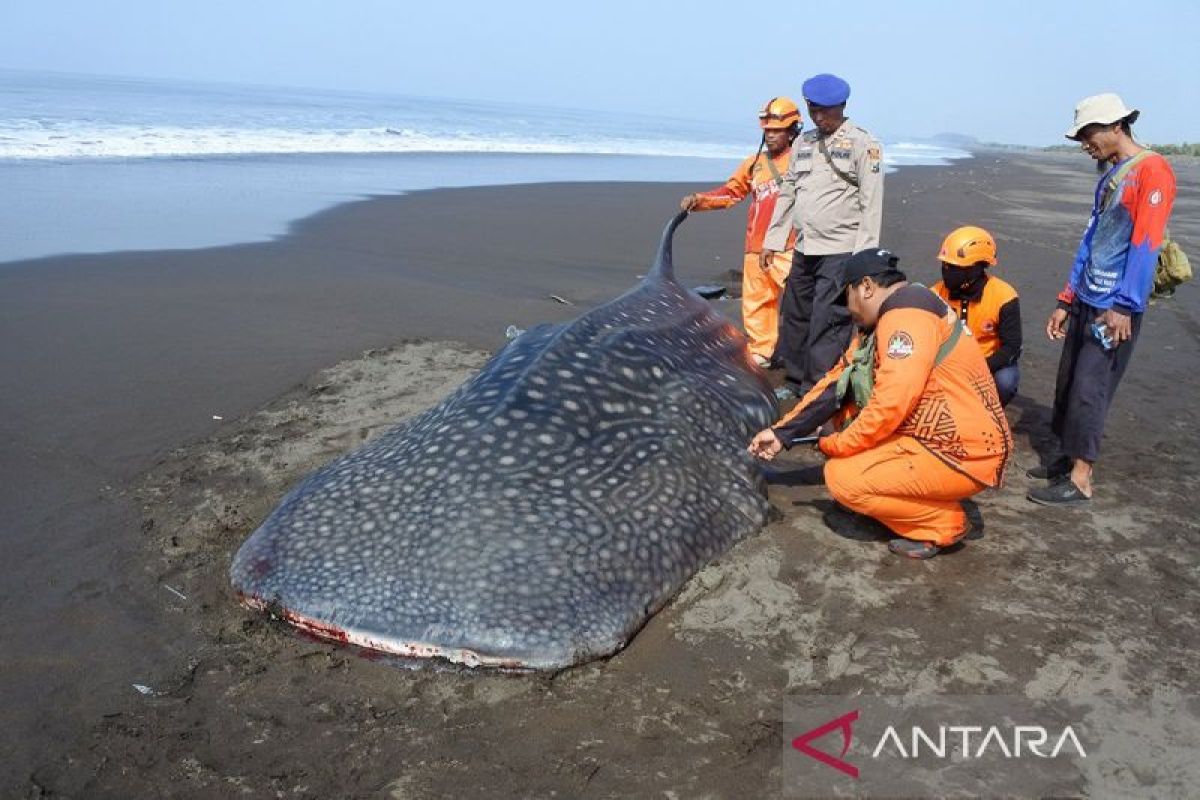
[
  {"x": 960, "y": 140},
  {"x": 965, "y": 141}
]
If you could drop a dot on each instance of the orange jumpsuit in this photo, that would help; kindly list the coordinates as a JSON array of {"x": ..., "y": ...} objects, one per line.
[
  {"x": 930, "y": 436},
  {"x": 760, "y": 291}
]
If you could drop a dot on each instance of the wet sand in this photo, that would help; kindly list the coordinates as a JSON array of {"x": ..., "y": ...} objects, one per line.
[{"x": 123, "y": 499}]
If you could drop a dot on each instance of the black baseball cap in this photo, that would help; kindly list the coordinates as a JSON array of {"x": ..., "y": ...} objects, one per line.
[{"x": 863, "y": 264}]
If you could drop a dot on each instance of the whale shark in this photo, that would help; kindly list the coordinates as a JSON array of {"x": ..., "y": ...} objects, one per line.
[{"x": 544, "y": 511}]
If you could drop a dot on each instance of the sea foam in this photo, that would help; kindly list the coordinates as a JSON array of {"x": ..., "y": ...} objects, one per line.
[{"x": 47, "y": 117}]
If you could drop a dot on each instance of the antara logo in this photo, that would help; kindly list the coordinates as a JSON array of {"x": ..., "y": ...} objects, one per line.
[
  {"x": 946, "y": 741},
  {"x": 846, "y": 724}
]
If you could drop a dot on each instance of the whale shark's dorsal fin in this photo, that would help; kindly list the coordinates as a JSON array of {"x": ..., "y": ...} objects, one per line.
[{"x": 664, "y": 269}]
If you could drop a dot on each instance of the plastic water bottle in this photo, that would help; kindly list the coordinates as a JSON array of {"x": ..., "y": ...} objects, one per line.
[{"x": 1100, "y": 331}]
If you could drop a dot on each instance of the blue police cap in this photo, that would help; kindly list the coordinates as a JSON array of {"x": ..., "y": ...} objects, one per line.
[{"x": 826, "y": 90}]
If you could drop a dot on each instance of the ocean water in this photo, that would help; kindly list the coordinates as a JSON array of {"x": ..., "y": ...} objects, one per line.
[{"x": 94, "y": 164}]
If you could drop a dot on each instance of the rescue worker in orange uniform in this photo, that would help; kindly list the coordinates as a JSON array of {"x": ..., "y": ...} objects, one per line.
[
  {"x": 759, "y": 177},
  {"x": 922, "y": 426},
  {"x": 989, "y": 305}
]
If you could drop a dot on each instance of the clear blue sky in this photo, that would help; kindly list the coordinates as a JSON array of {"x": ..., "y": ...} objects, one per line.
[{"x": 1001, "y": 71}]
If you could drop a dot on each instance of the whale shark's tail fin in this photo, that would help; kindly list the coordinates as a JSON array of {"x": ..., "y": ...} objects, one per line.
[{"x": 663, "y": 268}]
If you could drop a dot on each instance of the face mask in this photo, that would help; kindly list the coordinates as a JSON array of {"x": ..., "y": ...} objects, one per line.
[{"x": 962, "y": 280}]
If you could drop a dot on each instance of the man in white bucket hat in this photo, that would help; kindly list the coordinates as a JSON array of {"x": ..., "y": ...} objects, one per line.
[
  {"x": 1103, "y": 110},
  {"x": 1100, "y": 309}
]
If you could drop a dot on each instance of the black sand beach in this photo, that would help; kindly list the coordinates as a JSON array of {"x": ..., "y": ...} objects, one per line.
[{"x": 123, "y": 497}]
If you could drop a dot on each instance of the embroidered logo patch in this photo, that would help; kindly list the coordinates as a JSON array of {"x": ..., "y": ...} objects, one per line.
[
  {"x": 1156, "y": 197},
  {"x": 900, "y": 345}
]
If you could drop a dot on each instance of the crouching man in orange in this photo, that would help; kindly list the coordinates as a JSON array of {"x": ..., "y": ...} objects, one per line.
[
  {"x": 760, "y": 176},
  {"x": 922, "y": 425}
]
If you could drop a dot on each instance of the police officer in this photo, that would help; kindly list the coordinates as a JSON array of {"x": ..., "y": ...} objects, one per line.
[{"x": 833, "y": 194}]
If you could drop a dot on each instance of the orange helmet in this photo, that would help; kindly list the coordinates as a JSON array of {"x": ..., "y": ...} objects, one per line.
[
  {"x": 779, "y": 113},
  {"x": 968, "y": 246}
]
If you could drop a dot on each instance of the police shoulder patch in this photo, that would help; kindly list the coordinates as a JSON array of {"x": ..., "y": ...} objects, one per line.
[{"x": 900, "y": 345}]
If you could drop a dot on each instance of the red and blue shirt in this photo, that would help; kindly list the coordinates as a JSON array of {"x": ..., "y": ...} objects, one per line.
[{"x": 1114, "y": 266}]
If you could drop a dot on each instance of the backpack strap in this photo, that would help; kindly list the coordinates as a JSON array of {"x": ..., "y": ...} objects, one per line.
[{"x": 1114, "y": 179}]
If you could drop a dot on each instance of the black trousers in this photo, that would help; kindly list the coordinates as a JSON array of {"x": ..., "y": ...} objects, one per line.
[
  {"x": 813, "y": 332},
  {"x": 1087, "y": 380}
]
